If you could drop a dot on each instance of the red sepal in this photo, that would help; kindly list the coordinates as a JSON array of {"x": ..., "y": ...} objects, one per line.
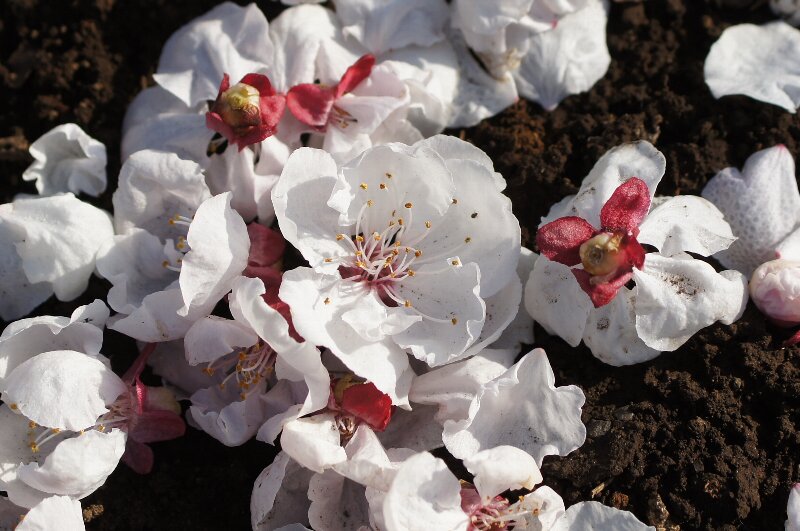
[
  {"x": 561, "y": 240},
  {"x": 627, "y": 207}
]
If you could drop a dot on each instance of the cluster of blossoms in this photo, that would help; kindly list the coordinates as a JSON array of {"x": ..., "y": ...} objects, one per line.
[{"x": 404, "y": 331}]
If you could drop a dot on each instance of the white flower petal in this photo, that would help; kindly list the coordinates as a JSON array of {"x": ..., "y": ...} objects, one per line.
[
  {"x": 56, "y": 512},
  {"x": 555, "y": 300},
  {"x": 452, "y": 298},
  {"x": 501, "y": 309},
  {"x": 78, "y": 466},
  {"x": 62, "y": 389},
  {"x": 212, "y": 337},
  {"x": 228, "y": 39},
  {"x": 424, "y": 495},
  {"x": 249, "y": 308},
  {"x": 677, "y": 296},
  {"x": 62, "y": 237},
  {"x": 384, "y": 25},
  {"x": 382, "y": 363},
  {"x": 636, "y": 159},
  {"x": 480, "y": 227},
  {"x": 134, "y": 264},
  {"x": 219, "y": 250},
  {"x": 367, "y": 462},
  {"x": 454, "y": 386},
  {"x": 225, "y": 416},
  {"x": 154, "y": 187},
  {"x": 762, "y": 62},
  {"x": 67, "y": 160},
  {"x": 567, "y": 60},
  {"x": 337, "y": 504},
  {"x": 611, "y": 333},
  {"x": 595, "y": 515},
  {"x": 156, "y": 319},
  {"x": 502, "y": 468},
  {"x": 14, "y": 451},
  {"x": 685, "y": 223},
  {"x": 544, "y": 508},
  {"x": 313, "y": 442},
  {"x": 793, "y": 509},
  {"x": 300, "y": 198},
  {"x": 526, "y": 396},
  {"x": 280, "y": 495},
  {"x": 82, "y": 332},
  {"x": 520, "y": 330},
  {"x": 416, "y": 430},
  {"x": 761, "y": 203},
  {"x": 18, "y": 296}
]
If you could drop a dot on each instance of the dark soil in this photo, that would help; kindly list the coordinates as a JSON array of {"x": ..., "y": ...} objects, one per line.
[{"x": 702, "y": 438}]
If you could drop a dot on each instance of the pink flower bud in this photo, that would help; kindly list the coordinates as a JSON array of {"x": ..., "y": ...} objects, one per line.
[{"x": 775, "y": 289}]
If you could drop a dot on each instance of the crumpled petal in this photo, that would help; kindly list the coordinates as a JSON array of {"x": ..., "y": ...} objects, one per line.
[
  {"x": 677, "y": 296},
  {"x": 78, "y": 466},
  {"x": 611, "y": 333},
  {"x": 502, "y": 468},
  {"x": 18, "y": 296},
  {"x": 313, "y": 442},
  {"x": 66, "y": 159},
  {"x": 156, "y": 319},
  {"x": 62, "y": 389},
  {"x": 686, "y": 223},
  {"x": 762, "y": 62},
  {"x": 556, "y": 301},
  {"x": 525, "y": 395},
  {"x": 56, "y": 512},
  {"x": 595, "y": 515},
  {"x": 212, "y": 337},
  {"x": 61, "y": 236},
  {"x": 567, "y": 60},
  {"x": 225, "y": 416},
  {"x": 424, "y": 495},
  {"x": 761, "y": 204},
  {"x": 219, "y": 249},
  {"x": 337, "y": 503}
]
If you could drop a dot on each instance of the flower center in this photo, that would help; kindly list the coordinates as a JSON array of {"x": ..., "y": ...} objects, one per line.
[
  {"x": 601, "y": 254},
  {"x": 495, "y": 515},
  {"x": 248, "y": 367},
  {"x": 239, "y": 106},
  {"x": 175, "y": 251}
]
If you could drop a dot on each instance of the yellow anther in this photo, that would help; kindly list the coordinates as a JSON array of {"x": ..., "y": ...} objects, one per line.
[
  {"x": 180, "y": 246},
  {"x": 376, "y": 236},
  {"x": 454, "y": 321},
  {"x": 339, "y": 237},
  {"x": 467, "y": 239},
  {"x": 327, "y": 300},
  {"x": 359, "y": 238},
  {"x": 242, "y": 356},
  {"x": 388, "y": 175},
  {"x": 359, "y": 254},
  {"x": 361, "y": 264},
  {"x": 455, "y": 262},
  {"x": 165, "y": 263},
  {"x": 417, "y": 253},
  {"x": 13, "y": 406},
  {"x": 32, "y": 424},
  {"x": 382, "y": 186},
  {"x": 328, "y": 260},
  {"x": 34, "y": 447},
  {"x": 400, "y": 221},
  {"x": 101, "y": 428},
  {"x": 370, "y": 202},
  {"x": 209, "y": 371},
  {"x": 427, "y": 224},
  {"x": 455, "y": 201},
  {"x": 363, "y": 186},
  {"x": 56, "y": 430},
  {"x": 408, "y": 205},
  {"x": 411, "y": 272},
  {"x": 407, "y": 304},
  {"x": 397, "y": 244}
]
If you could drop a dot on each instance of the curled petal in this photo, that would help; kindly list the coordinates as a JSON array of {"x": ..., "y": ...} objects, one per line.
[
  {"x": 561, "y": 240},
  {"x": 595, "y": 515},
  {"x": 627, "y": 206}
]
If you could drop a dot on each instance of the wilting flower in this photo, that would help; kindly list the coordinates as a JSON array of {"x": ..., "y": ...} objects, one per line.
[
  {"x": 67, "y": 160},
  {"x": 673, "y": 295},
  {"x": 247, "y": 112},
  {"x": 609, "y": 254},
  {"x": 406, "y": 244}
]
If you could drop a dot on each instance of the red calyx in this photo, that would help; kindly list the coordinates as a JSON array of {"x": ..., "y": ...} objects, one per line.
[{"x": 361, "y": 400}]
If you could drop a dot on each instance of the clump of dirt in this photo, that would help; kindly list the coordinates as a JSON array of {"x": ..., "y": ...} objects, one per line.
[{"x": 702, "y": 438}]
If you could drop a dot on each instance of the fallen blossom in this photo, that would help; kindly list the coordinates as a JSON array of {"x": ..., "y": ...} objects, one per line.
[
  {"x": 66, "y": 159},
  {"x": 673, "y": 295},
  {"x": 775, "y": 290},
  {"x": 762, "y": 62}
]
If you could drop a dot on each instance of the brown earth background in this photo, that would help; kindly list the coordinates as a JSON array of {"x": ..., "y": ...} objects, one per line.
[{"x": 702, "y": 438}]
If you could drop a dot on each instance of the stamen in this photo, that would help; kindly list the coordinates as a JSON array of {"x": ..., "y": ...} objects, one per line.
[{"x": 363, "y": 186}]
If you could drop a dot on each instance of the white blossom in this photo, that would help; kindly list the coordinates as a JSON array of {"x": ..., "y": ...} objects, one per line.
[{"x": 66, "y": 159}]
